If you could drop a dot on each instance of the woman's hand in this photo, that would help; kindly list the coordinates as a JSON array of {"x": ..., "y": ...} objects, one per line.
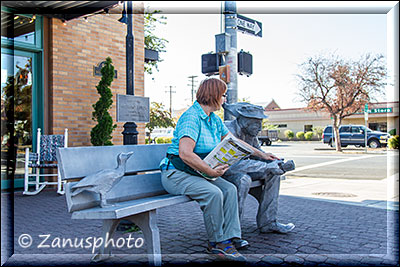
[{"x": 219, "y": 170}]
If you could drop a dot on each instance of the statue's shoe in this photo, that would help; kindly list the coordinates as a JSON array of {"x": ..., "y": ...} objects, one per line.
[
  {"x": 288, "y": 166},
  {"x": 277, "y": 228},
  {"x": 276, "y": 171}
]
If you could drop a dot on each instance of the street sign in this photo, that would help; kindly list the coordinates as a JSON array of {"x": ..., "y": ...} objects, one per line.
[
  {"x": 248, "y": 25},
  {"x": 366, "y": 107}
]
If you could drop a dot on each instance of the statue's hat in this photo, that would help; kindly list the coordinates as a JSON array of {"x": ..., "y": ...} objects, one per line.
[{"x": 246, "y": 110}]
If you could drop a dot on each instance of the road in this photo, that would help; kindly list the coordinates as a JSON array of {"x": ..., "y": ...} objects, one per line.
[
  {"x": 352, "y": 176},
  {"x": 317, "y": 160}
]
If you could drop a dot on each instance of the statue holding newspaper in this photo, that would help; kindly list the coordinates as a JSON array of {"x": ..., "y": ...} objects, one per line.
[{"x": 246, "y": 126}]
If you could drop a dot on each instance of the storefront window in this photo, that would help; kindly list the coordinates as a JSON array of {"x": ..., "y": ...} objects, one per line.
[
  {"x": 19, "y": 28},
  {"x": 16, "y": 112}
]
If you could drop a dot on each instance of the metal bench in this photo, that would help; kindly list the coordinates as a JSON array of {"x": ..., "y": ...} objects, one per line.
[{"x": 136, "y": 197}]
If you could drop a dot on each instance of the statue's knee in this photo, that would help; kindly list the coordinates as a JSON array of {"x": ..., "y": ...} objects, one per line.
[{"x": 245, "y": 181}]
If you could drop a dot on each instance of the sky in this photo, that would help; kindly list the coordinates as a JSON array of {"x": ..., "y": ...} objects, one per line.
[{"x": 287, "y": 41}]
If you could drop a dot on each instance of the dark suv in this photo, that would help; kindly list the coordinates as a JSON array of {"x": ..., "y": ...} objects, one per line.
[{"x": 355, "y": 135}]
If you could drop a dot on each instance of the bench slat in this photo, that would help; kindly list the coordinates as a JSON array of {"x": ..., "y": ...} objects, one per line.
[
  {"x": 78, "y": 162},
  {"x": 128, "y": 208},
  {"x": 130, "y": 187}
]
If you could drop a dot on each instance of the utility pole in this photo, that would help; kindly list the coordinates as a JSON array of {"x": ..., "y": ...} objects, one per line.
[
  {"x": 192, "y": 84},
  {"x": 170, "y": 98},
  {"x": 231, "y": 57}
]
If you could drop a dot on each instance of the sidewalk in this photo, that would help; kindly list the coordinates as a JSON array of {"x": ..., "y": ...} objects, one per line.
[
  {"x": 370, "y": 193},
  {"x": 330, "y": 230}
]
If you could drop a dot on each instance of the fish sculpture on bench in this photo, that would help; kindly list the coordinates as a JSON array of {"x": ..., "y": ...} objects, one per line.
[{"x": 102, "y": 181}]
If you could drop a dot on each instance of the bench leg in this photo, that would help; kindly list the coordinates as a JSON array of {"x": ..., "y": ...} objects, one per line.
[
  {"x": 147, "y": 222},
  {"x": 108, "y": 230}
]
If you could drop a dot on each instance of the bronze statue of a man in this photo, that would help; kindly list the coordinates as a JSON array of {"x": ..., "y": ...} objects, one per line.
[{"x": 246, "y": 126}]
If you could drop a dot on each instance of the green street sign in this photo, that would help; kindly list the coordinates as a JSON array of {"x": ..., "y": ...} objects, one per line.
[{"x": 366, "y": 107}]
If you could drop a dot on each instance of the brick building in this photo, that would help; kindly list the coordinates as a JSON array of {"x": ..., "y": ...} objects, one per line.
[{"x": 59, "y": 56}]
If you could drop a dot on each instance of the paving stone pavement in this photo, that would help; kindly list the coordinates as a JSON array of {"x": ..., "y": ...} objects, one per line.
[{"x": 326, "y": 234}]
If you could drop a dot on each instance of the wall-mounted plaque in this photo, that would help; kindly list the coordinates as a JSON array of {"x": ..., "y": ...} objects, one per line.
[
  {"x": 132, "y": 108},
  {"x": 97, "y": 70}
]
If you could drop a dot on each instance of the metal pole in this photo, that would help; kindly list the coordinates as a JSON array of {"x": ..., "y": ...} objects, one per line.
[
  {"x": 365, "y": 133},
  {"x": 130, "y": 132},
  {"x": 170, "y": 98},
  {"x": 192, "y": 80},
  {"x": 231, "y": 57}
]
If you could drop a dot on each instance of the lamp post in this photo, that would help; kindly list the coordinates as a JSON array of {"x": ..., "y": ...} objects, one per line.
[{"x": 130, "y": 128}]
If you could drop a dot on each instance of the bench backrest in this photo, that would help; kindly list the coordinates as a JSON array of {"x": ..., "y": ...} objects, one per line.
[{"x": 78, "y": 162}]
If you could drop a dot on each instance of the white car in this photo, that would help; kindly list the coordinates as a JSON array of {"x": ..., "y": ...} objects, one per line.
[{"x": 162, "y": 132}]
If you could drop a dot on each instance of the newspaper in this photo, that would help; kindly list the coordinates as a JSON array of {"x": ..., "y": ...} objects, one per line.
[{"x": 229, "y": 151}]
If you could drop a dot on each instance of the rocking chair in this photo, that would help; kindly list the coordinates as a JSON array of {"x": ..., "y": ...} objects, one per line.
[{"x": 44, "y": 158}]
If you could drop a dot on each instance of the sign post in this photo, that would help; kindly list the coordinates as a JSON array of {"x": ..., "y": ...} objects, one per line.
[
  {"x": 366, "y": 126},
  {"x": 233, "y": 23}
]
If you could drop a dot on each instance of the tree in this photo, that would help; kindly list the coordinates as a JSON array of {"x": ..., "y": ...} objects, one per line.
[
  {"x": 150, "y": 40},
  {"x": 159, "y": 117},
  {"x": 341, "y": 87},
  {"x": 101, "y": 133}
]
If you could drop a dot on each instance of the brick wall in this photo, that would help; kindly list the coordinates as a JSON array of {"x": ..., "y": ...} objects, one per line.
[{"x": 74, "y": 49}]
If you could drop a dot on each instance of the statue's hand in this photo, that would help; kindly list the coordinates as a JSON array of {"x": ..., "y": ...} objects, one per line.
[{"x": 270, "y": 156}]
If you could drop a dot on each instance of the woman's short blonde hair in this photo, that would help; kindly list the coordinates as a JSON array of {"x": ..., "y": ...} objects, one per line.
[{"x": 210, "y": 92}]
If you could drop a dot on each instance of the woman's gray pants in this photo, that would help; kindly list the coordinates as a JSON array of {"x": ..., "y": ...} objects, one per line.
[{"x": 217, "y": 199}]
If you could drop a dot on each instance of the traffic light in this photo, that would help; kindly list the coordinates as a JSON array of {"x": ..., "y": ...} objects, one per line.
[
  {"x": 245, "y": 63},
  {"x": 209, "y": 64}
]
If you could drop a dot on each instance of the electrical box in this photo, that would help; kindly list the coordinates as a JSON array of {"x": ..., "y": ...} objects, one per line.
[
  {"x": 245, "y": 63},
  {"x": 209, "y": 64},
  {"x": 222, "y": 43},
  {"x": 225, "y": 73}
]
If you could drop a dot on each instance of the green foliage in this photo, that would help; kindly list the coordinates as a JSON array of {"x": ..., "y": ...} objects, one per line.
[
  {"x": 318, "y": 131},
  {"x": 393, "y": 142},
  {"x": 150, "y": 40},
  {"x": 308, "y": 135},
  {"x": 16, "y": 103},
  {"x": 300, "y": 135},
  {"x": 392, "y": 132},
  {"x": 147, "y": 140},
  {"x": 289, "y": 134},
  {"x": 101, "y": 133},
  {"x": 159, "y": 117},
  {"x": 163, "y": 140},
  {"x": 267, "y": 126}
]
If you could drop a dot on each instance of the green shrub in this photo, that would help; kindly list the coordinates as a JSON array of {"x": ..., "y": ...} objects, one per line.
[
  {"x": 392, "y": 132},
  {"x": 163, "y": 140},
  {"x": 289, "y": 134},
  {"x": 159, "y": 140},
  {"x": 101, "y": 134},
  {"x": 147, "y": 140},
  {"x": 308, "y": 135},
  {"x": 300, "y": 135},
  {"x": 393, "y": 142}
]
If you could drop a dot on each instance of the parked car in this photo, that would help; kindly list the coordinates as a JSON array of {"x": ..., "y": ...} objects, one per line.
[
  {"x": 355, "y": 135},
  {"x": 267, "y": 136},
  {"x": 162, "y": 132}
]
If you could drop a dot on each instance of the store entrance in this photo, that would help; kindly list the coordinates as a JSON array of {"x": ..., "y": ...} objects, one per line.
[{"x": 16, "y": 114}]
